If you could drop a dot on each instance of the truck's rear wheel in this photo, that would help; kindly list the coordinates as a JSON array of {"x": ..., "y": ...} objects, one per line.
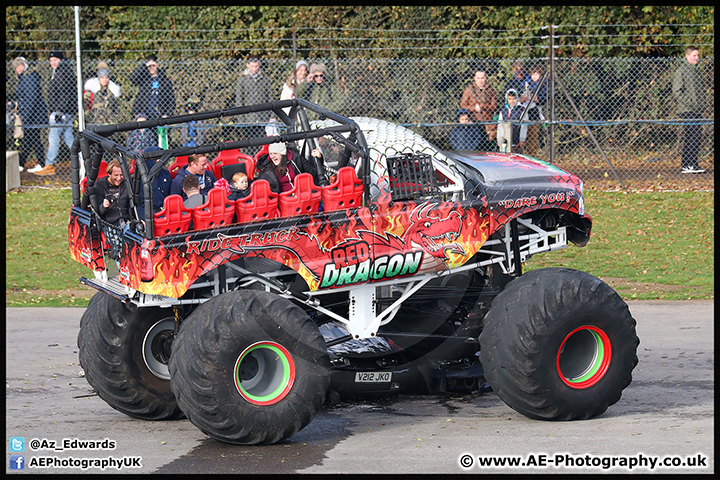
[
  {"x": 124, "y": 352},
  {"x": 558, "y": 344},
  {"x": 249, "y": 367}
]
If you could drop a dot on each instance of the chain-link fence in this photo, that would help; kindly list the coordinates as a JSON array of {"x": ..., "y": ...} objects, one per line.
[{"x": 612, "y": 121}]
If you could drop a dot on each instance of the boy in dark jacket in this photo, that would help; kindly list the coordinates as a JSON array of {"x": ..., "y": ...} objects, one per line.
[
  {"x": 511, "y": 113},
  {"x": 142, "y": 138},
  {"x": 467, "y": 135}
]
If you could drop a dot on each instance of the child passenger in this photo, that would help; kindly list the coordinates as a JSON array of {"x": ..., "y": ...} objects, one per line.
[{"x": 240, "y": 187}]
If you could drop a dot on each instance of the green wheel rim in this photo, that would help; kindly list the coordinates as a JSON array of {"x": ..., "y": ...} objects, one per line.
[{"x": 264, "y": 373}]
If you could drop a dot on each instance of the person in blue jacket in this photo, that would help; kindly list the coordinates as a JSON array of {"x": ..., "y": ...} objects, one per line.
[
  {"x": 467, "y": 135},
  {"x": 160, "y": 186},
  {"x": 33, "y": 112}
]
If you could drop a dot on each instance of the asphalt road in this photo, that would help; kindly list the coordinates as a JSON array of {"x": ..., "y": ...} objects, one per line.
[{"x": 666, "y": 415}]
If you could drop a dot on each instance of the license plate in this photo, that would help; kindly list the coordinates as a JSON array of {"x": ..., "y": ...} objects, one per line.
[{"x": 373, "y": 377}]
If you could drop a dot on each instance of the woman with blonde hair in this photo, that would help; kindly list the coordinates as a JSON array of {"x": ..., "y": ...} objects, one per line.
[{"x": 296, "y": 77}]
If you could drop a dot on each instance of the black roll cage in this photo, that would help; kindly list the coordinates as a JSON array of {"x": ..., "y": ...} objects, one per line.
[{"x": 298, "y": 128}]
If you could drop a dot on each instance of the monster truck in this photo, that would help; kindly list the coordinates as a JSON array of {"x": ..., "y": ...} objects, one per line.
[{"x": 400, "y": 272}]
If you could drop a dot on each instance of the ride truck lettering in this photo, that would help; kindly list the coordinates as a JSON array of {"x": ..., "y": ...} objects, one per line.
[{"x": 241, "y": 242}]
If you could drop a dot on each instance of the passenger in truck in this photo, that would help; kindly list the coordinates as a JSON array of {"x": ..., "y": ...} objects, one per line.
[
  {"x": 280, "y": 166},
  {"x": 115, "y": 195},
  {"x": 198, "y": 166},
  {"x": 240, "y": 187}
]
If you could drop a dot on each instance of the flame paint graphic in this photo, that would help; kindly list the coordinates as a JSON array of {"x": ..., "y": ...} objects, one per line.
[{"x": 446, "y": 234}]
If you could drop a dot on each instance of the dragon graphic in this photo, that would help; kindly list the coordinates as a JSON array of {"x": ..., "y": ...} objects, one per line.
[{"x": 427, "y": 232}]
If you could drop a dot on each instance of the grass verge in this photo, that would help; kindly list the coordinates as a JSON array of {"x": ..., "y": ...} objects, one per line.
[
  {"x": 653, "y": 245},
  {"x": 647, "y": 245}
]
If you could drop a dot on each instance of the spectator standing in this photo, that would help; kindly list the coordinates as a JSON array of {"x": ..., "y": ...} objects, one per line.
[
  {"x": 61, "y": 103},
  {"x": 156, "y": 96},
  {"x": 480, "y": 99},
  {"x": 100, "y": 98},
  {"x": 534, "y": 109},
  {"x": 689, "y": 92},
  {"x": 160, "y": 186},
  {"x": 198, "y": 166},
  {"x": 511, "y": 113},
  {"x": 253, "y": 87},
  {"x": 31, "y": 107},
  {"x": 296, "y": 77},
  {"x": 115, "y": 195},
  {"x": 319, "y": 91},
  {"x": 518, "y": 80},
  {"x": 467, "y": 135},
  {"x": 141, "y": 138}
]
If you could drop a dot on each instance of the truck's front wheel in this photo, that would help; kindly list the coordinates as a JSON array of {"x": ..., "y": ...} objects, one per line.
[
  {"x": 124, "y": 352},
  {"x": 249, "y": 367},
  {"x": 558, "y": 344}
]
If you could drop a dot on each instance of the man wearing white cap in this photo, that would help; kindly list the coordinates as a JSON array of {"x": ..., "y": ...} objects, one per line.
[
  {"x": 155, "y": 97},
  {"x": 321, "y": 91}
]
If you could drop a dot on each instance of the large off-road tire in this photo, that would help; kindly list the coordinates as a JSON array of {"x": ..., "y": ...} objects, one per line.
[
  {"x": 249, "y": 367},
  {"x": 558, "y": 344},
  {"x": 123, "y": 351}
]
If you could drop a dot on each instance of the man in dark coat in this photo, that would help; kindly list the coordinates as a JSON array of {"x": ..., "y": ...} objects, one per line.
[
  {"x": 688, "y": 89},
  {"x": 253, "y": 87},
  {"x": 62, "y": 102},
  {"x": 33, "y": 113},
  {"x": 155, "y": 97}
]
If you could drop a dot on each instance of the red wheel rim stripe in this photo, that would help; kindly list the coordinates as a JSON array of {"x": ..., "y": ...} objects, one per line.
[{"x": 604, "y": 346}]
